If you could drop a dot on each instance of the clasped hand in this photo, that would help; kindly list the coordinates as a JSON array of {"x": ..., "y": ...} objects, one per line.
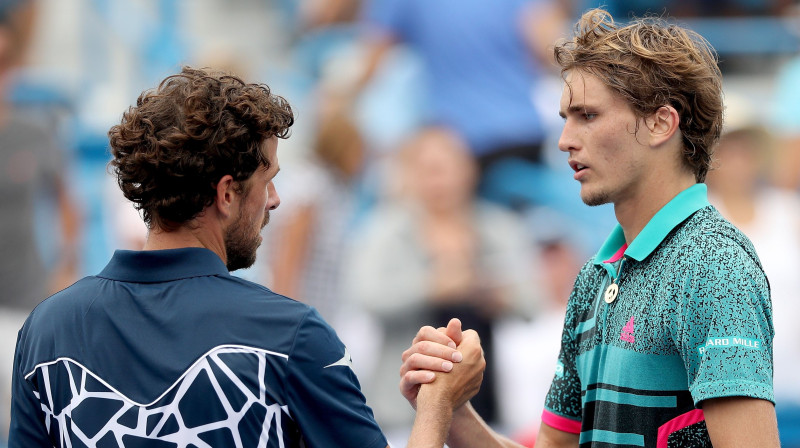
[{"x": 445, "y": 364}]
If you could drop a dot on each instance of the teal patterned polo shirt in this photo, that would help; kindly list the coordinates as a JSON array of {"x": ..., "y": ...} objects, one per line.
[{"x": 691, "y": 320}]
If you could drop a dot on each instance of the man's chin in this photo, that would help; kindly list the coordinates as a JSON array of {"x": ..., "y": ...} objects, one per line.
[
  {"x": 243, "y": 258},
  {"x": 235, "y": 265},
  {"x": 593, "y": 200}
]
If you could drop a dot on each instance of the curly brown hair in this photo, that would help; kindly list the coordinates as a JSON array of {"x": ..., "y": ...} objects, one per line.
[
  {"x": 652, "y": 63},
  {"x": 173, "y": 147}
]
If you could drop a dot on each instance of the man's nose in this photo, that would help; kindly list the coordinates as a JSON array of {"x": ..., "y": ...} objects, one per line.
[
  {"x": 566, "y": 141},
  {"x": 273, "y": 200}
]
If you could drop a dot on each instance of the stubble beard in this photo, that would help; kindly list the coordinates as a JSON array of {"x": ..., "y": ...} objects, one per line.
[
  {"x": 595, "y": 199},
  {"x": 241, "y": 245}
]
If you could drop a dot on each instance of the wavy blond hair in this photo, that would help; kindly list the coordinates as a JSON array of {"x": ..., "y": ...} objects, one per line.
[{"x": 653, "y": 63}]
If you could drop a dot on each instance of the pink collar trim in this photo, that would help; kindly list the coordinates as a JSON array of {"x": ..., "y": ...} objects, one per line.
[{"x": 618, "y": 255}]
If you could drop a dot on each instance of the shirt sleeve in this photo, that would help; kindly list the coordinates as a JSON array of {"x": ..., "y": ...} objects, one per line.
[
  {"x": 562, "y": 408},
  {"x": 324, "y": 395},
  {"x": 27, "y": 421},
  {"x": 723, "y": 329}
]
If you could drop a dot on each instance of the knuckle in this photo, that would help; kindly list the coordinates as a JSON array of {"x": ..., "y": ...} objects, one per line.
[
  {"x": 427, "y": 346},
  {"x": 422, "y": 334}
]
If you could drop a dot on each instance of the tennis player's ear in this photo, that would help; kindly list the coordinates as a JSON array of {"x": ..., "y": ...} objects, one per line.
[
  {"x": 662, "y": 125},
  {"x": 225, "y": 195}
]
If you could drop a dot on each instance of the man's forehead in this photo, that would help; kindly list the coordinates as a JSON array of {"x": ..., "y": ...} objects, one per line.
[
  {"x": 576, "y": 83},
  {"x": 573, "y": 95},
  {"x": 582, "y": 89}
]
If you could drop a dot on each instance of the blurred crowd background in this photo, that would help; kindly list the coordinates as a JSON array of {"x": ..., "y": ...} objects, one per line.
[{"x": 422, "y": 179}]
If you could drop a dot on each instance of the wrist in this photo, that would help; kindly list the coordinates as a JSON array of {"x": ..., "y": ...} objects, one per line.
[
  {"x": 432, "y": 422},
  {"x": 434, "y": 404}
]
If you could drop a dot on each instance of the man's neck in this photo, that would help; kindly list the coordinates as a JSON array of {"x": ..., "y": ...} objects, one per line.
[
  {"x": 634, "y": 214},
  {"x": 184, "y": 236}
]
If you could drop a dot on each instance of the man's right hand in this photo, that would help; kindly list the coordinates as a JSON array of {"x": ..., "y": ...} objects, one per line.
[{"x": 441, "y": 371}]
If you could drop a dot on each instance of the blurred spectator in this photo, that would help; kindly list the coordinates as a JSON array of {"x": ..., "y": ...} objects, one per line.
[
  {"x": 786, "y": 121},
  {"x": 308, "y": 244},
  {"x": 317, "y": 14},
  {"x": 689, "y": 8},
  {"x": 126, "y": 226},
  {"x": 483, "y": 62},
  {"x": 770, "y": 217},
  {"x": 434, "y": 253},
  {"x": 16, "y": 18},
  {"x": 32, "y": 179}
]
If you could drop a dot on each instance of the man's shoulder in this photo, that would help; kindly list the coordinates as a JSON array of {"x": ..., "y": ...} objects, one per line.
[
  {"x": 590, "y": 271},
  {"x": 707, "y": 232},
  {"x": 706, "y": 242},
  {"x": 130, "y": 325},
  {"x": 255, "y": 299},
  {"x": 76, "y": 296},
  {"x": 258, "y": 291},
  {"x": 227, "y": 308},
  {"x": 230, "y": 292},
  {"x": 708, "y": 224}
]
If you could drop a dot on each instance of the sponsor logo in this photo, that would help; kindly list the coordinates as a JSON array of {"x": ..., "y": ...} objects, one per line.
[
  {"x": 346, "y": 361},
  {"x": 627, "y": 332},
  {"x": 729, "y": 341}
]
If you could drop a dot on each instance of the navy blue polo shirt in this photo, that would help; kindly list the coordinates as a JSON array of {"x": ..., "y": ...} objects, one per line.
[{"x": 167, "y": 349}]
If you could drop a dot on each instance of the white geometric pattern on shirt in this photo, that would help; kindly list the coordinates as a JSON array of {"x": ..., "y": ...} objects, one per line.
[{"x": 184, "y": 436}]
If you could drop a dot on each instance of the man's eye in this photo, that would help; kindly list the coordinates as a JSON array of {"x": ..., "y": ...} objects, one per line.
[{"x": 588, "y": 116}]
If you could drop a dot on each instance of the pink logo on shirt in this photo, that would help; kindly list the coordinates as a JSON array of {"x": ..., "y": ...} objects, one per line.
[{"x": 627, "y": 332}]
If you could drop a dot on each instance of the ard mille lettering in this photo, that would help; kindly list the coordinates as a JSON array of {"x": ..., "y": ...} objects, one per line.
[{"x": 729, "y": 341}]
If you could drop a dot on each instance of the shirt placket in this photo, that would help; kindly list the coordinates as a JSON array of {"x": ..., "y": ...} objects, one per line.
[{"x": 614, "y": 272}]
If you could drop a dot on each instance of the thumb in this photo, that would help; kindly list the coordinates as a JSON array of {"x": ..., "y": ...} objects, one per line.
[{"x": 454, "y": 331}]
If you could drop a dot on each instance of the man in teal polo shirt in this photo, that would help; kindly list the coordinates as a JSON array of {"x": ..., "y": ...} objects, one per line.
[{"x": 667, "y": 339}]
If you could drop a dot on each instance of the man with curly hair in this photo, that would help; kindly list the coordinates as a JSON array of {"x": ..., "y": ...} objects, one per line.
[
  {"x": 667, "y": 340},
  {"x": 164, "y": 348}
]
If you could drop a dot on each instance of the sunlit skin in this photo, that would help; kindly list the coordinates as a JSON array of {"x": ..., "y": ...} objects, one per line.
[
  {"x": 632, "y": 162},
  {"x": 601, "y": 136}
]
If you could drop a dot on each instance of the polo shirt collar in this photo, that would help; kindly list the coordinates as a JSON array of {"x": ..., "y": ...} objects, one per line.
[
  {"x": 154, "y": 266},
  {"x": 675, "y": 212}
]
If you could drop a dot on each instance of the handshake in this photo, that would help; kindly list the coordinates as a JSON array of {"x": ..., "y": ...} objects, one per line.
[{"x": 441, "y": 371}]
